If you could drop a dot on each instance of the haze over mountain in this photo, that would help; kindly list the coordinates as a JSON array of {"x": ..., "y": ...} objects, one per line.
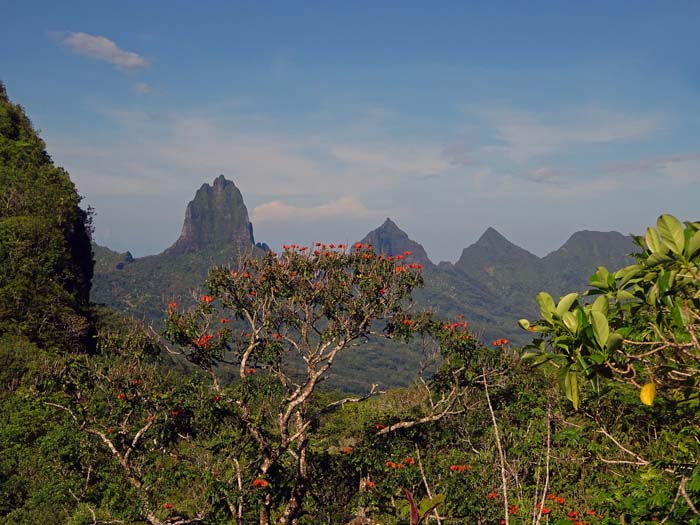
[{"x": 493, "y": 283}]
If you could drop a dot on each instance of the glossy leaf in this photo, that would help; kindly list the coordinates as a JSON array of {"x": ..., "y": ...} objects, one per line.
[
  {"x": 546, "y": 303},
  {"x": 653, "y": 242},
  {"x": 570, "y": 321},
  {"x": 671, "y": 232},
  {"x": 693, "y": 245},
  {"x": 601, "y": 330},
  {"x": 600, "y": 305},
  {"x": 613, "y": 342},
  {"x": 565, "y": 303}
]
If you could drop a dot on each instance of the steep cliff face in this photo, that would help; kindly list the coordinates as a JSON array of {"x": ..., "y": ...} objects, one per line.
[
  {"x": 215, "y": 218},
  {"x": 389, "y": 239}
]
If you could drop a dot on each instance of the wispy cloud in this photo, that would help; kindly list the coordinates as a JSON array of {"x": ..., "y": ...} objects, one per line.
[
  {"x": 651, "y": 163},
  {"x": 102, "y": 48},
  {"x": 344, "y": 207},
  {"x": 525, "y": 135},
  {"x": 547, "y": 175},
  {"x": 391, "y": 158},
  {"x": 143, "y": 89}
]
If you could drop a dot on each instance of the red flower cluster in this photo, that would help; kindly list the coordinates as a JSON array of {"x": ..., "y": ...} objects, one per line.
[
  {"x": 122, "y": 396},
  {"x": 206, "y": 299},
  {"x": 407, "y": 461},
  {"x": 136, "y": 382},
  {"x": 172, "y": 305},
  {"x": 460, "y": 468},
  {"x": 225, "y": 321},
  {"x": 513, "y": 510},
  {"x": 407, "y": 322},
  {"x": 371, "y": 484},
  {"x": 262, "y": 483},
  {"x": 347, "y": 450},
  {"x": 492, "y": 495},
  {"x": 202, "y": 342},
  {"x": 379, "y": 427},
  {"x": 167, "y": 505},
  {"x": 455, "y": 326},
  {"x": 175, "y": 413},
  {"x": 360, "y": 246},
  {"x": 250, "y": 370},
  {"x": 216, "y": 398},
  {"x": 500, "y": 342},
  {"x": 407, "y": 253}
]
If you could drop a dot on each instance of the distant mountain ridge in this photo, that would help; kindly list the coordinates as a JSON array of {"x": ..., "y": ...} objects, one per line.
[{"x": 493, "y": 283}]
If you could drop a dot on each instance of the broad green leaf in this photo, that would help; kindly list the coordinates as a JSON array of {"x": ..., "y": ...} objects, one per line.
[
  {"x": 571, "y": 388},
  {"x": 653, "y": 294},
  {"x": 601, "y": 330},
  {"x": 627, "y": 273},
  {"x": 656, "y": 258},
  {"x": 671, "y": 232},
  {"x": 524, "y": 324},
  {"x": 546, "y": 303},
  {"x": 664, "y": 280},
  {"x": 624, "y": 295},
  {"x": 600, "y": 278},
  {"x": 693, "y": 245},
  {"x": 570, "y": 322},
  {"x": 427, "y": 505},
  {"x": 652, "y": 241},
  {"x": 678, "y": 315},
  {"x": 535, "y": 357},
  {"x": 614, "y": 341},
  {"x": 601, "y": 305},
  {"x": 565, "y": 303}
]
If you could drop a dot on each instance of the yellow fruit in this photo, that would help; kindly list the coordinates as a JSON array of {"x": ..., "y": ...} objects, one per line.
[{"x": 647, "y": 394}]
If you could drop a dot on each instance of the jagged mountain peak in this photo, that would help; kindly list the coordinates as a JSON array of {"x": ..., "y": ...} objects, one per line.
[
  {"x": 389, "y": 239},
  {"x": 494, "y": 245},
  {"x": 216, "y": 217}
]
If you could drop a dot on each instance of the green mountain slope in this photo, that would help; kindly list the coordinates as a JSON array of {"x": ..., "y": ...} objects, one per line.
[{"x": 45, "y": 255}]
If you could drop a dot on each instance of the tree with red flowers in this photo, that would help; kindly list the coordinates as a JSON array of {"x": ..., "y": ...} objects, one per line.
[{"x": 304, "y": 306}]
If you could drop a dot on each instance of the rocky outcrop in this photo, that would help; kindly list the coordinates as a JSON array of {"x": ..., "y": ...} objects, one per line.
[{"x": 217, "y": 217}]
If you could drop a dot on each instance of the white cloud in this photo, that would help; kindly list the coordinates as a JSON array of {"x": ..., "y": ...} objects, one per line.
[
  {"x": 392, "y": 158},
  {"x": 102, "y": 48},
  {"x": 652, "y": 164},
  {"x": 142, "y": 88},
  {"x": 344, "y": 207},
  {"x": 523, "y": 135}
]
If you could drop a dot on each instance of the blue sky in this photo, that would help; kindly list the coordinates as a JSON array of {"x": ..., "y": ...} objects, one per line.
[{"x": 536, "y": 118}]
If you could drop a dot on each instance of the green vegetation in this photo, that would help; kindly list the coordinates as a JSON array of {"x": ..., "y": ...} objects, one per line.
[
  {"x": 45, "y": 256},
  {"x": 104, "y": 422}
]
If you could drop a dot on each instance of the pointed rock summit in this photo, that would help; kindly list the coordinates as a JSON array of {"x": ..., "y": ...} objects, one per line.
[
  {"x": 215, "y": 218},
  {"x": 389, "y": 239},
  {"x": 493, "y": 248}
]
